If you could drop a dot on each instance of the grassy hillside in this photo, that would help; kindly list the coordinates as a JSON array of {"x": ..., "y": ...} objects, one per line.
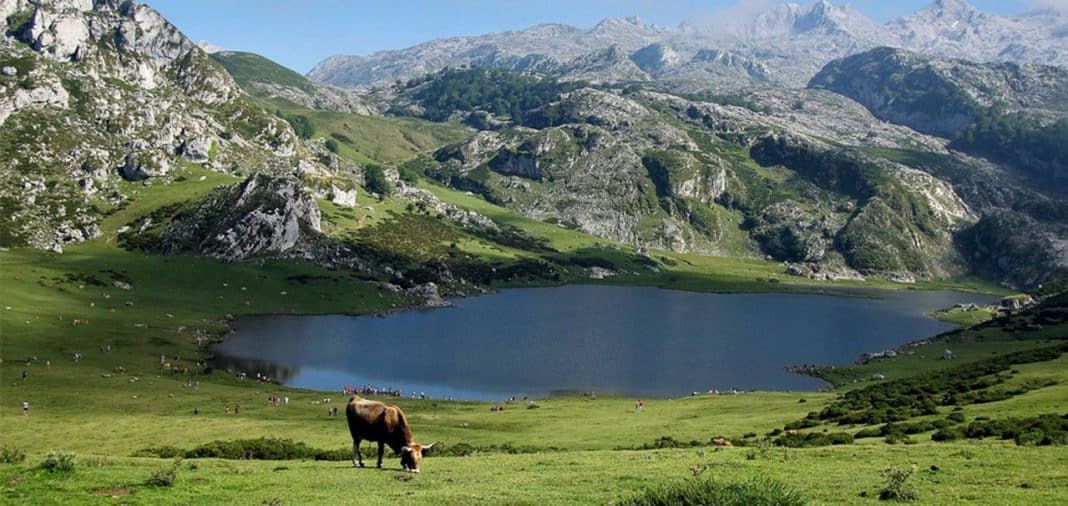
[
  {"x": 119, "y": 401},
  {"x": 373, "y": 139},
  {"x": 248, "y": 68}
]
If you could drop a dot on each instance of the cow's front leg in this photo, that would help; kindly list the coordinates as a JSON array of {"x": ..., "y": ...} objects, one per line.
[
  {"x": 381, "y": 448},
  {"x": 357, "y": 459}
]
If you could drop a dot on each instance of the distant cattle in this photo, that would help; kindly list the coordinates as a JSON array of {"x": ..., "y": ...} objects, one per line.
[
  {"x": 722, "y": 442},
  {"x": 386, "y": 425}
]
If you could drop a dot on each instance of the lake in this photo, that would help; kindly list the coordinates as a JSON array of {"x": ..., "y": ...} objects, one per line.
[{"x": 636, "y": 341}]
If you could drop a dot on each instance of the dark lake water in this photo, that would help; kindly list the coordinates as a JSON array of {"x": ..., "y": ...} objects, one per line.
[{"x": 606, "y": 339}]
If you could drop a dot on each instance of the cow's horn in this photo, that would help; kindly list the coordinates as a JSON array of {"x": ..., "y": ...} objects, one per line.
[{"x": 429, "y": 446}]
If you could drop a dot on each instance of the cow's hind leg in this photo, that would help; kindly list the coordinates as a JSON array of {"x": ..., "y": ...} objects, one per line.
[
  {"x": 357, "y": 459},
  {"x": 381, "y": 448}
]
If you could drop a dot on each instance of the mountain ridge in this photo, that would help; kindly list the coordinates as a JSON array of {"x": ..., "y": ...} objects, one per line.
[{"x": 801, "y": 39}]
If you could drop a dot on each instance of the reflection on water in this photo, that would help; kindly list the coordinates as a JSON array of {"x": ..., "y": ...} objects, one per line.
[
  {"x": 627, "y": 340},
  {"x": 273, "y": 371}
]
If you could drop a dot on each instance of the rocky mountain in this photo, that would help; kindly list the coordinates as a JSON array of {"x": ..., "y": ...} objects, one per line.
[
  {"x": 889, "y": 164},
  {"x": 957, "y": 29},
  {"x": 1012, "y": 113},
  {"x": 786, "y": 45},
  {"x": 96, "y": 92},
  {"x": 807, "y": 177}
]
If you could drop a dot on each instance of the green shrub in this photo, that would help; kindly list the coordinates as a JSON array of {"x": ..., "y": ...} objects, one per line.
[
  {"x": 165, "y": 476},
  {"x": 332, "y": 146},
  {"x": 59, "y": 461},
  {"x": 1042, "y": 430},
  {"x": 302, "y": 126},
  {"x": 948, "y": 434},
  {"x": 814, "y": 439},
  {"x": 11, "y": 455},
  {"x": 897, "y": 488},
  {"x": 163, "y": 452},
  {"x": 375, "y": 180},
  {"x": 901, "y": 399},
  {"x": 710, "y": 492},
  {"x": 254, "y": 449},
  {"x": 865, "y": 433}
]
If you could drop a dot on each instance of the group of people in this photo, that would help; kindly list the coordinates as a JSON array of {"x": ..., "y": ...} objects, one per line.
[
  {"x": 370, "y": 390},
  {"x": 274, "y": 400}
]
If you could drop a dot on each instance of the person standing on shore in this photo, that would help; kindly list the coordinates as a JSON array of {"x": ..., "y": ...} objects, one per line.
[{"x": 25, "y": 408}]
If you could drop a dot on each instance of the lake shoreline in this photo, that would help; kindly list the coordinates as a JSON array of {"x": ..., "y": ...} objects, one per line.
[{"x": 787, "y": 365}]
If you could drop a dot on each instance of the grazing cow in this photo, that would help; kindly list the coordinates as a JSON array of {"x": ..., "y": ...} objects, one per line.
[{"x": 386, "y": 425}]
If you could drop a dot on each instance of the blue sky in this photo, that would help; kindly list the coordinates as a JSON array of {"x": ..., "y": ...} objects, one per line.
[{"x": 298, "y": 34}]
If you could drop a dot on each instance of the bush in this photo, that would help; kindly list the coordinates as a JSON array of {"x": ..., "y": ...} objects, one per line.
[
  {"x": 163, "y": 452},
  {"x": 864, "y": 433},
  {"x": 166, "y": 476},
  {"x": 254, "y": 449},
  {"x": 948, "y": 434},
  {"x": 332, "y": 146},
  {"x": 956, "y": 416},
  {"x": 896, "y": 488},
  {"x": 1042, "y": 430},
  {"x": 711, "y": 492},
  {"x": 10, "y": 455},
  {"x": 302, "y": 126},
  {"x": 814, "y": 439},
  {"x": 59, "y": 461},
  {"x": 375, "y": 180},
  {"x": 901, "y": 399}
]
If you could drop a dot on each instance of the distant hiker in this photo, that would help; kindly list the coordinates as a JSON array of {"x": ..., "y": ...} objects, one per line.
[
  {"x": 48, "y": 364},
  {"x": 638, "y": 405},
  {"x": 227, "y": 409},
  {"x": 25, "y": 373},
  {"x": 196, "y": 411},
  {"x": 237, "y": 409},
  {"x": 286, "y": 401},
  {"x": 25, "y": 407}
]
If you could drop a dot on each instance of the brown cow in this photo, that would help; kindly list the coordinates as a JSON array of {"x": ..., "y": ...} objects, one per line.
[{"x": 385, "y": 424}]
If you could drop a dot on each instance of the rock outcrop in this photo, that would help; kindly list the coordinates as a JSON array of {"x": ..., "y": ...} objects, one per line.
[
  {"x": 92, "y": 91},
  {"x": 262, "y": 216}
]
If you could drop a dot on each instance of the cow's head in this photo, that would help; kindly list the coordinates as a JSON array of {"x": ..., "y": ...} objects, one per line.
[{"x": 412, "y": 455}]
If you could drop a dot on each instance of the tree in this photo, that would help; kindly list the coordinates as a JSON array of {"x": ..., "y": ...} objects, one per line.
[{"x": 375, "y": 180}]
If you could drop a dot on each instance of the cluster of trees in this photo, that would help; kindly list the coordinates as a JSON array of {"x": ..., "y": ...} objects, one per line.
[
  {"x": 1021, "y": 140},
  {"x": 375, "y": 180},
  {"x": 499, "y": 92},
  {"x": 302, "y": 126}
]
